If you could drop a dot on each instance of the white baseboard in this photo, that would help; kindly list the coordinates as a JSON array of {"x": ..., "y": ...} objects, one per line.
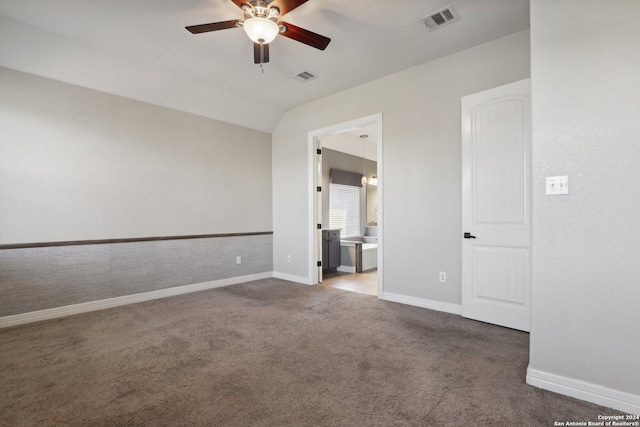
[
  {"x": 583, "y": 390},
  {"x": 85, "y": 307},
  {"x": 292, "y": 278},
  {"x": 346, "y": 269},
  {"x": 424, "y": 303}
]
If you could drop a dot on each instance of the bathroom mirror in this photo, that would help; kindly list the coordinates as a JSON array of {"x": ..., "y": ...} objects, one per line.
[{"x": 372, "y": 204}]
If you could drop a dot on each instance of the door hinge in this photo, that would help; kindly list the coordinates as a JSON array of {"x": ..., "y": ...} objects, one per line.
[
  {"x": 319, "y": 189},
  {"x": 319, "y": 263},
  {"x": 319, "y": 226},
  {"x": 318, "y": 151}
]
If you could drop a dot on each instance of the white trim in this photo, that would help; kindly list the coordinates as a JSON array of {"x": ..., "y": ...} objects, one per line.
[
  {"x": 380, "y": 191},
  {"x": 373, "y": 120},
  {"x": 346, "y": 269},
  {"x": 424, "y": 303},
  {"x": 292, "y": 278},
  {"x": 85, "y": 307},
  {"x": 311, "y": 226},
  {"x": 583, "y": 390}
]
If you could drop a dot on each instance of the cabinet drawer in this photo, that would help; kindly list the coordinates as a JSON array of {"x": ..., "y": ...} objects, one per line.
[{"x": 334, "y": 235}]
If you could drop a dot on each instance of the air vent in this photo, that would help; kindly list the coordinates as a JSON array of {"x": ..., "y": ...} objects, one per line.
[
  {"x": 440, "y": 18},
  {"x": 304, "y": 76}
]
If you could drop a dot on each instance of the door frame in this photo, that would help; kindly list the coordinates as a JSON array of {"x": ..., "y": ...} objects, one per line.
[{"x": 373, "y": 120}]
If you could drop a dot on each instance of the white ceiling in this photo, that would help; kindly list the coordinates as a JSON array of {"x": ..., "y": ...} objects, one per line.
[{"x": 140, "y": 49}]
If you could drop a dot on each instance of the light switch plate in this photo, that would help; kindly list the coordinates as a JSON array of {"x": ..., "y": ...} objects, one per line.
[{"x": 557, "y": 185}]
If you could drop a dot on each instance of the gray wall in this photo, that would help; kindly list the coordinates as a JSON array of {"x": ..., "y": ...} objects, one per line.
[
  {"x": 78, "y": 164},
  {"x": 332, "y": 159},
  {"x": 41, "y": 278},
  {"x": 586, "y": 245},
  {"x": 421, "y": 159}
]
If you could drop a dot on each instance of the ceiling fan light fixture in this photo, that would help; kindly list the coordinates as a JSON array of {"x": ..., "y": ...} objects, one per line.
[
  {"x": 261, "y": 25},
  {"x": 261, "y": 30}
]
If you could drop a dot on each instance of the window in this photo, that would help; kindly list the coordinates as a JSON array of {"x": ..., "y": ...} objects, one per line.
[{"x": 344, "y": 209}]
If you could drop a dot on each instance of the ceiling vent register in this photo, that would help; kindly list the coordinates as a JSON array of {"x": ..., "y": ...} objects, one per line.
[
  {"x": 440, "y": 18},
  {"x": 304, "y": 76}
]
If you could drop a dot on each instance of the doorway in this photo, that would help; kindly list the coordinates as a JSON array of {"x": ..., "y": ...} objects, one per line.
[{"x": 347, "y": 146}]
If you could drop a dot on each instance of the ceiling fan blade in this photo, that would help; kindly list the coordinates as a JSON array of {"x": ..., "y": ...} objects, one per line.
[
  {"x": 305, "y": 36},
  {"x": 260, "y": 53},
  {"x": 285, "y": 6},
  {"x": 214, "y": 26}
]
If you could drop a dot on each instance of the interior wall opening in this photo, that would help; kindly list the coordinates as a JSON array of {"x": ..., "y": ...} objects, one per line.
[{"x": 348, "y": 244}]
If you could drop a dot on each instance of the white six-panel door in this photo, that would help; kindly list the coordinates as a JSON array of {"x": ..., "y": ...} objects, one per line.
[{"x": 496, "y": 208}]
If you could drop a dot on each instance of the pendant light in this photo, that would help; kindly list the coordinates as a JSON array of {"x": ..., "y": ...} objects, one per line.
[{"x": 364, "y": 159}]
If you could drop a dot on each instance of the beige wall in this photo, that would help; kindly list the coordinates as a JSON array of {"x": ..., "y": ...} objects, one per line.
[
  {"x": 80, "y": 164},
  {"x": 421, "y": 160},
  {"x": 586, "y": 245}
]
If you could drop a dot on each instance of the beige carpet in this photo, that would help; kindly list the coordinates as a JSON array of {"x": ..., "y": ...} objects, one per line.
[{"x": 272, "y": 353}]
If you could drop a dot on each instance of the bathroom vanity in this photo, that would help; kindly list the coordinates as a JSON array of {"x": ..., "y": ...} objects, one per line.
[{"x": 330, "y": 248}]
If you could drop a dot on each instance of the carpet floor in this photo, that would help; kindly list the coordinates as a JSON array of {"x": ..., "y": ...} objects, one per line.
[{"x": 272, "y": 353}]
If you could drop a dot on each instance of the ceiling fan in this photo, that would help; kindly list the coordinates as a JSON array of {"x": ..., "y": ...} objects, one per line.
[{"x": 262, "y": 26}]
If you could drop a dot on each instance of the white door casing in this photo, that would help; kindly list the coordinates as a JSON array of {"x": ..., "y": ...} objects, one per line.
[
  {"x": 496, "y": 205},
  {"x": 319, "y": 260},
  {"x": 314, "y": 181}
]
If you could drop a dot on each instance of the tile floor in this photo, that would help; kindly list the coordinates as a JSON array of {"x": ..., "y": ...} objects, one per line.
[{"x": 364, "y": 283}]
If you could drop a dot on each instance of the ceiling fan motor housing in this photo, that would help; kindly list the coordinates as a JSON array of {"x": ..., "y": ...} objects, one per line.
[{"x": 260, "y": 9}]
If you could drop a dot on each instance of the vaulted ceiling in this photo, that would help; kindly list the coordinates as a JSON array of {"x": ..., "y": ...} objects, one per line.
[{"x": 141, "y": 50}]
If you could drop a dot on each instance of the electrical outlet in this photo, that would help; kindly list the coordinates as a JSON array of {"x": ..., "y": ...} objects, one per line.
[
  {"x": 443, "y": 277},
  {"x": 238, "y": 260},
  {"x": 288, "y": 258}
]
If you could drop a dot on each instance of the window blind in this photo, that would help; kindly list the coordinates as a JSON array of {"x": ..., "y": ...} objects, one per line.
[{"x": 344, "y": 209}]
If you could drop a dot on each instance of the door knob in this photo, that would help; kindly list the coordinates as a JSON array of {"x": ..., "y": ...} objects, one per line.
[{"x": 469, "y": 236}]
